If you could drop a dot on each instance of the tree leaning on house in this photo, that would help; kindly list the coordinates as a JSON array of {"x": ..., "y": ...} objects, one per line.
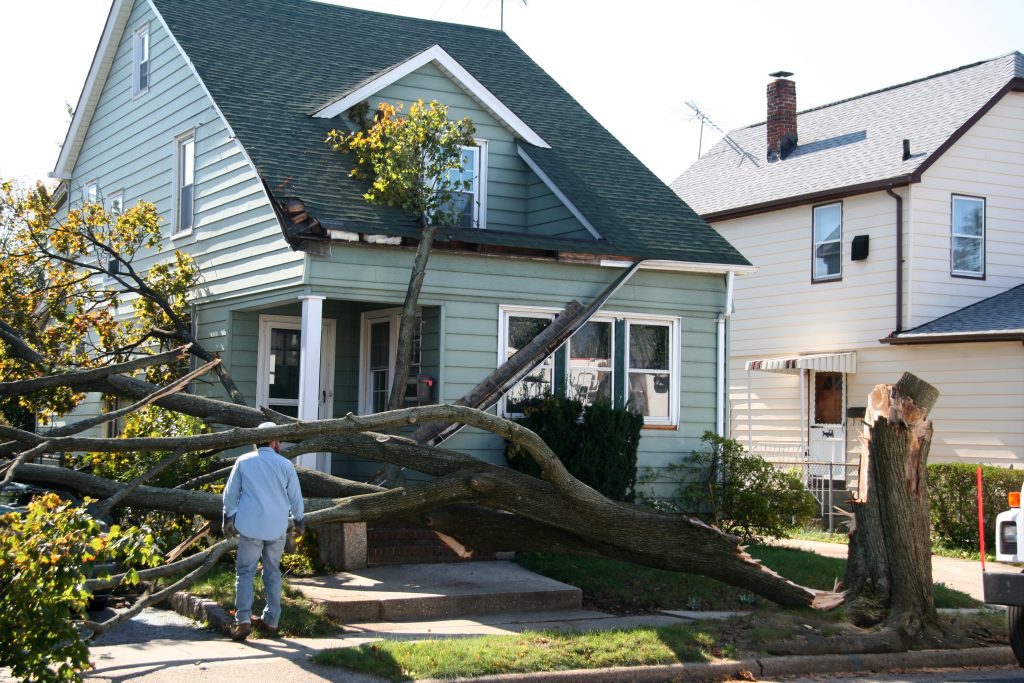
[{"x": 485, "y": 507}]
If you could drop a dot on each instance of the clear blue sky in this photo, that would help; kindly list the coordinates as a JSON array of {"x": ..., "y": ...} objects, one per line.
[{"x": 633, "y": 64}]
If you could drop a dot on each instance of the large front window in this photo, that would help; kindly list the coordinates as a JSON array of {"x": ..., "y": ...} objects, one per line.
[
  {"x": 968, "y": 227},
  {"x": 828, "y": 242},
  {"x": 628, "y": 360}
]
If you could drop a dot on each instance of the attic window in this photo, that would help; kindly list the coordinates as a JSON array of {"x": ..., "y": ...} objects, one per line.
[
  {"x": 471, "y": 201},
  {"x": 140, "y": 60}
]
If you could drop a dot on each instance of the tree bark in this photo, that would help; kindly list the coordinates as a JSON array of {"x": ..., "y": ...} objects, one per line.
[{"x": 889, "y": 574}]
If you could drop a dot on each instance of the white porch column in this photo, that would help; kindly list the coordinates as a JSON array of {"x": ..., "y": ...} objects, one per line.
[{"x": 309, "y": 373}]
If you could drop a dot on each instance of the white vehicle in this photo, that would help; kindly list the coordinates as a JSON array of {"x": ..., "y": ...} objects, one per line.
[{"x": 1008, "y": 589}]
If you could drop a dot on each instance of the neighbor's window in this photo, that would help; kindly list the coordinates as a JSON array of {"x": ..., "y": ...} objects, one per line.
[
  {"x": 469, "y": 200},
  {"x": 828, "y": 239},
  {"x": 140, "y": 61},
  {"x": 520, "y": 329},
  {"x": 968, "y": 226},
  {"x": 186, "y": 178},
  {"x": 650, "y": 376}
]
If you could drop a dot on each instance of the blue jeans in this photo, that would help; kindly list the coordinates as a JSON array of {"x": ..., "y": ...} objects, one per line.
[{"x": 250, "y": 550}]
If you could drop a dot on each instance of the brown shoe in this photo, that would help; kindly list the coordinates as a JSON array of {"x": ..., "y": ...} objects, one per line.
[
  {"x": 240, "y": 631},
  {"x": 263, "y": 626}
]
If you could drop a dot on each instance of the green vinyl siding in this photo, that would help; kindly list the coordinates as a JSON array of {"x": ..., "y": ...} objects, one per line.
[{"x": 517, "y": 200}]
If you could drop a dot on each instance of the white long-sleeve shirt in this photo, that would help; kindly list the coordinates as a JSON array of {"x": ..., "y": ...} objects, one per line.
[{"x": 261, "y": 491}]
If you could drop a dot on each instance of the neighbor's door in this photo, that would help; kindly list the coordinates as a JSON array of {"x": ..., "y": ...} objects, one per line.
[
  {"x": 279, "y": 356},
  {"x": 827, "y": 438}
]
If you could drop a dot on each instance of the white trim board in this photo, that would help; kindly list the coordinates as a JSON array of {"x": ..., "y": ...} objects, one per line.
[{"x": 450, "y": 66}]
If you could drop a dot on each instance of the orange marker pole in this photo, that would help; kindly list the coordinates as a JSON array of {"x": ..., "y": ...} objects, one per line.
[{"x": 981, "y": 522}]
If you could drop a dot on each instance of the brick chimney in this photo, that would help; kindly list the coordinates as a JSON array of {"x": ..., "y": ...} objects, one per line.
[{"x": 781, "y": 115}]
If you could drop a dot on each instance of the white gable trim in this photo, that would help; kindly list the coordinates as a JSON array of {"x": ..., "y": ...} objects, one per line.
[
  {"x": 447, "y": 64},
  {"x": 117, "y": 20},
  {"x": 558, "y": 193}
]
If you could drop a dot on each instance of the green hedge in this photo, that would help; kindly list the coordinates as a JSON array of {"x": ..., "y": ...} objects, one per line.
[
  {"x": 597, "y": 444},
  {"x": 953, "y": 495}
]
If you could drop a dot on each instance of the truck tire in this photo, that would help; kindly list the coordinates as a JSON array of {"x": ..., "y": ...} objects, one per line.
[{"x": 1015, "y": 627}]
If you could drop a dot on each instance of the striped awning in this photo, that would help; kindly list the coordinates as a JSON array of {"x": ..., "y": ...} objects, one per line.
[{"x": 822, "y": 362}]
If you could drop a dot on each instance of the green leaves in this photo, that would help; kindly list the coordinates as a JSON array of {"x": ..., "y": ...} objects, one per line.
[{"x": 412, "y": 161}]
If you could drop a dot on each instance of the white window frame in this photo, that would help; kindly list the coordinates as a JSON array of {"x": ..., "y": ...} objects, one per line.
[
  {"x": 506, "y": 312},
  {"x": 953, "y": 236},
  {"x": 328, "y": 334},
  {"x": 674, "y": 324},
  {"x": 90, "y": 192},
  {"x": 181, "y": 143},
  {"x": 142, "y": 55},
  {"x": 394, "y": 317},
  {"x": 479, "y": 200},
  {"x": 115, "y": 203},
  {"x": 815, "y": 243},
  {"x": 674, "y": 364},
  {"x": 610, "y": 370}
]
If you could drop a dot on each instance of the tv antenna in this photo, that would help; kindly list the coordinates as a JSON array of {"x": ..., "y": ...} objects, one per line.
[
  {"x": 502, "y": 24},
  {"x": 706, "y": 120}
]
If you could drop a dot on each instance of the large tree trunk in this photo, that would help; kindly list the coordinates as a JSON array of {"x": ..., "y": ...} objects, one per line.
[{"x": 889, "y": 574}]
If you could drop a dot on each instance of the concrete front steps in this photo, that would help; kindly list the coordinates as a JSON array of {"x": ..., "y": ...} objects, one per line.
[{"x": 436, "y": 591}]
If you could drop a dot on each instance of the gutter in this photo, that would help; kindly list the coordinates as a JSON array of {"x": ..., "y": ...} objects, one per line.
[
  {"x": 899, "y": 259},
  {"x": 954, "y": 338}
]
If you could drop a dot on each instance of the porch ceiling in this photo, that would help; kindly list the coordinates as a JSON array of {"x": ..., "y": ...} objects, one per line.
[{"x": 822, "y": 362}]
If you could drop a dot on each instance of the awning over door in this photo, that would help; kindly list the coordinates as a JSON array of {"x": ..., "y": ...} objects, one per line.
[{"x": 822, "y": 362}]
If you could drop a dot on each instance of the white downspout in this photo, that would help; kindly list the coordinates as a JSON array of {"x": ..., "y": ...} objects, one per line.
[{"x": 730, "y": 279}]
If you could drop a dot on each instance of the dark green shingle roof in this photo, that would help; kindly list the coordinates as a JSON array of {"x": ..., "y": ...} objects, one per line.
[{"x": 270, "y": 64}]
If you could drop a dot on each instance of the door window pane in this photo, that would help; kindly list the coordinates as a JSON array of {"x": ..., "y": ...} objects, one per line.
[
  {"x": 284, "y": 363},
  {"x": 828, "y": 397}
]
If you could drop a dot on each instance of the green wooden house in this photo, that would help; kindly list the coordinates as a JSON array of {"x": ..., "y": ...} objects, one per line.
[{"x": 217, "y": 111}]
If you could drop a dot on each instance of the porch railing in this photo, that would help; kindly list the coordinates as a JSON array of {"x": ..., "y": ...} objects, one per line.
[{"x": 826, "y": 480}]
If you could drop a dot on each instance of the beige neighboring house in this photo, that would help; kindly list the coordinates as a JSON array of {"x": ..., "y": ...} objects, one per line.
[{"x": 888, "y": 233}]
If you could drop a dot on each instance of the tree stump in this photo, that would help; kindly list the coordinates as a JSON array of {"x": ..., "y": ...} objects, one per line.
[{"x": 889, "y": 573}]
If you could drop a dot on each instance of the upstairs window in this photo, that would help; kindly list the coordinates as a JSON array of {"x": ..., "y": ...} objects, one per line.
[
  {"x": 827, "y": 256},
  {"x": 968, "y": 237},
  {"x": 469, "y": 200},
  {"x": 140, "y": 60},
  {"x": 115, "y": 204},
  {"x": 185, "y": 177},
  {"x": 90, "y": 192}
]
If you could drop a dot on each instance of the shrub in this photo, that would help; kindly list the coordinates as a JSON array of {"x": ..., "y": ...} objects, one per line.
[
  {"x": 953, "y": 497},
  {"x": 597, "y": 444},
  {"x": 742, "y": 493}
]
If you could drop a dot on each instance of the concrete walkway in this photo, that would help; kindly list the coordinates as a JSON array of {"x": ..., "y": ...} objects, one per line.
[{"x": 961, "y": 575}]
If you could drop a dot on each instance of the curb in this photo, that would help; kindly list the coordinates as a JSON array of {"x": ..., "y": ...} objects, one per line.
[
  {"x": 769, "y": 667},
  {"x": 202, "y": 610}
]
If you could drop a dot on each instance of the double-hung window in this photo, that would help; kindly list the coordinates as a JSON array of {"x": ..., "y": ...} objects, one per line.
[
  {"x": 91, "y": 192},
  {"x": 968, "y": 236},
  {"x": 469, "y": 198},
  {"x": 115, "y": 204},
  {"x": 185, "y": 179},
  {"x": 827, "y": 257},
  {"x": 140, "y": 60},
  {"x": 625, "y": 359}
]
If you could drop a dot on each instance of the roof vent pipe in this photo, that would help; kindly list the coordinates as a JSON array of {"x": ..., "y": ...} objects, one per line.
[
  {"x": 781, "y": 124},
  {"x": 906, "y": 149}
]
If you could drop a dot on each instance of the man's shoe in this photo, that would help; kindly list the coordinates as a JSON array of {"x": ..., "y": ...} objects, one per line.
[
  {"x": 240, "y": 631},
  {"x": 263, "y": 626}
]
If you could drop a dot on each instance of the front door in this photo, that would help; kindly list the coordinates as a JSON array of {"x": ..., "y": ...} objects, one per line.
[
  {"x": 279, "y": 354},
  {"x": 828, "y": 423}
]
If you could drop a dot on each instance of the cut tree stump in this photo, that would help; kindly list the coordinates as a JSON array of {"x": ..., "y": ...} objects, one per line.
[{"x": 889, "y": 573}]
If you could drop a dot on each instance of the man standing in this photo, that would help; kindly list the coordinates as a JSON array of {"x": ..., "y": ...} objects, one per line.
[{"x": 261, "y": 491}]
